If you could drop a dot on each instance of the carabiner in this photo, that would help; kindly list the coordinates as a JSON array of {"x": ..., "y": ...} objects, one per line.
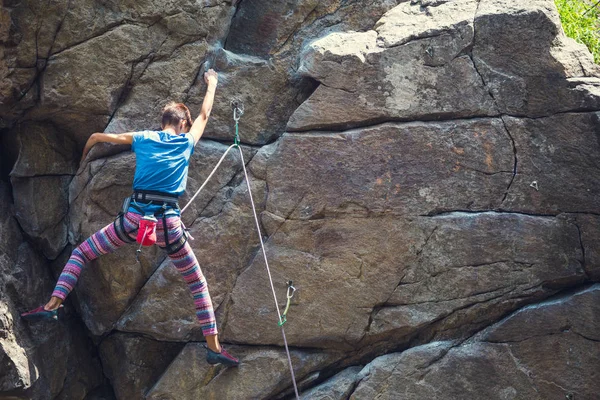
[
  {"x": 290, "y": 291},
  {"x": 238, "y": 109}
]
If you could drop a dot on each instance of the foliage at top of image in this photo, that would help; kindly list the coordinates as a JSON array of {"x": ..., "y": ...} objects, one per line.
[{"x": 580, "y": 22}]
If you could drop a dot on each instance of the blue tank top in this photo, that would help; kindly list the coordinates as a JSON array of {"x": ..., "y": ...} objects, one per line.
[{"x": 162, "y": 161}]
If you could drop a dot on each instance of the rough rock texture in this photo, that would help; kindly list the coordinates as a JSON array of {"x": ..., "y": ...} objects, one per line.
[
  {"x": 409, "y": 66},
  {"x": 43, "y": 216},
  {"x": 134, "y": 363},
  {"x": 202, "y": 380},
  {"x": 261, "y": 56},
  {"x": 425, "y": 172},
  {"x": 536, "y": 77},
  {"x": 365, "y": 83},
  {"x": 381, "y": 170},
  {"x": 589, "y": 229},
  {"x": 40, "y": 179},
  {"x": 338, "y": 387},
  {"x": 562, "y": 165},
  {"x": 425, "y": 269},
  {"x": 53, "y": 76},
  {"x": 46, "y": 360},
  {"x": 549, "y": 350}
]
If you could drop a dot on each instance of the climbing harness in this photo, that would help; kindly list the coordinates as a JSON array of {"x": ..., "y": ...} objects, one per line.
[
  {"x": 146, "y": 196},
  {"x": 122, "y": 233},
  {"x": 238, "y": 110},
  {"x": 146, "y": 231},
  {"x": 289, "y": 295}
]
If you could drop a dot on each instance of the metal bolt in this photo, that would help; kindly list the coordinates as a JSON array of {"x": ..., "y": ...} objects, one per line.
[{"x": 534, "y": 185}]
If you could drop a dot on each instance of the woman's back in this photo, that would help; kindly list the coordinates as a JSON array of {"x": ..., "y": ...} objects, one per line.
[{"x": 162, "y": 161}]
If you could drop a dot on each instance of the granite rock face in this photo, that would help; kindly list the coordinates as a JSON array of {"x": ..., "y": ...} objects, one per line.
[
  {"x": 560, "y": 163},
  {"x": 48, "y": 360},
  {"x": 409, "y": 65},
  {"x": 539, "y": 352},
  {"x": 338, "y": 387},
  {"x": 427, "y": 178},
  {"x": 133, "y": 363},
  {"x": 247, "y": 381}
]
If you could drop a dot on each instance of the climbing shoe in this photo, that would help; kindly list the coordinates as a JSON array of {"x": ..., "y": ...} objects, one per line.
[
  {"x": 223, "y": 357},
  {"x": 40, "y": 314}
]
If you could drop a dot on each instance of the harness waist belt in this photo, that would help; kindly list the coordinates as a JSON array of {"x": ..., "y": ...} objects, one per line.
[{"x": 146, "y": 196}]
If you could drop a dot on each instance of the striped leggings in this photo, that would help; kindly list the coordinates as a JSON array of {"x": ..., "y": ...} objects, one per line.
[{"x": 106, "y": 241}]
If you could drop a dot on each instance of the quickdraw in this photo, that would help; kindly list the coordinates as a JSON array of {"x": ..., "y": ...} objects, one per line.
[
  {"x": 290, "y": 293},
  {"x": 238, "y": 110}
]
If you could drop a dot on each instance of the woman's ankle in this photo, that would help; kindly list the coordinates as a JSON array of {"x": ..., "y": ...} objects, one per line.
[
  {"x": 53, "y": 304},
  {"x": 212, "y": 342}
]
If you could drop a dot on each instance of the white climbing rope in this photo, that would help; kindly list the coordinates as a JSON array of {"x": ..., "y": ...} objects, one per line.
[
  {"x": 236, "y": 115},
  {"x": 262, "y": 245},
  {"x": 207, "y": 179}
]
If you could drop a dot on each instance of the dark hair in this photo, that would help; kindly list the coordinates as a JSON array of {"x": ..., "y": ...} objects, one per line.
[{"x": 174, "y": 113}]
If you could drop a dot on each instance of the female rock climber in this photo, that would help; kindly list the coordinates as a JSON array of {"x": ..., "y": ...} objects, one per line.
[{"x": 162, "y": 159}]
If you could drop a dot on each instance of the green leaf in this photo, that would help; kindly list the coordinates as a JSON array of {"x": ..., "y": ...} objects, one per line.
[{"x": 580, "y": 22}]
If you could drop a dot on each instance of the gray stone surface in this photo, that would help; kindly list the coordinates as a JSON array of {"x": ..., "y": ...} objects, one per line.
[
  {"x": 43, "y": 360},
  {"x": 408, "y": 66},
  {"x": 26, "y": 47},
  {"x": 13, "y": 359},
  {"x": 463, "y": 274},
  {"x": 560, "y": 154},
  {"x": 40, "y": 177},
  {"x": 264, "y": 88},
  {"x": 341, "y": 268},
  {"x": 416, "y": 20},
  {"x": 363, "y": 83},
  {"x": 43, "y": 150},
  {"x": 450, "y": 273},
  {"x": 264, "y": 48},
  {"x": 540, "y": 352},
  {"x": 545, "y": 74},
  {"x": 41, "y": 205},
  {"x": 134, "y": 363},
  {"x": 247, "y": 381},
  {"x": 412, "y": 168},
  {"x": 93, "y": 85},
  {"x": 338, "y": 387},
  {"x": 589, "y": 228}
]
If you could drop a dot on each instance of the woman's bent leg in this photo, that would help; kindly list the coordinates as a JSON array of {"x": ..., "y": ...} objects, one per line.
[
  {"x": 102, "y": 242},
  {"x": 186, "y": 263}
]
